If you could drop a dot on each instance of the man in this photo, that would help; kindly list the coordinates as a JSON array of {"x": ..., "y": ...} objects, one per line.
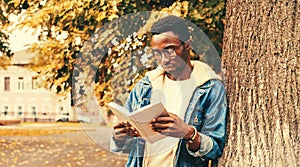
[{"x": 192, "y": 94}]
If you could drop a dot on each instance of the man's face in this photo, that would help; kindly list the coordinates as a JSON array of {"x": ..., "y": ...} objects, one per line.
[{"x": 170, "y": 52}]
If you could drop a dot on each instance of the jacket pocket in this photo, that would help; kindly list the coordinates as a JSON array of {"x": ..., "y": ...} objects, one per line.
[{"x": 197, "y": 117}]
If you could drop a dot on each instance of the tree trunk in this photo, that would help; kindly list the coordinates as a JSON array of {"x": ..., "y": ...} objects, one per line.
[{"x": 261, "y": 59}]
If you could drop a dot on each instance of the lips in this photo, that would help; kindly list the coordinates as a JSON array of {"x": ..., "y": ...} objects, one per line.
[
  {"x": 169, "y": 69},
  {"x": 167, "y": 66}
]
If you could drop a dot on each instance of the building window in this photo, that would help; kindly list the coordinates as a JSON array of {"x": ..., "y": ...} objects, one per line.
[
  {"x": 20, "y": 83},
  {"x": 20, "y": 110},
  {"x": 5, "y": 111},
  {"x": 33, "y": 109},
  {"x": 34, "y": 83},
  {"x": 34, "y": 113},
  {"x": 6, "y": 83}
]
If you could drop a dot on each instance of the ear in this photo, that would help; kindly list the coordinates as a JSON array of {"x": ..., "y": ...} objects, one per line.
[{"x": 188, "y": 44}]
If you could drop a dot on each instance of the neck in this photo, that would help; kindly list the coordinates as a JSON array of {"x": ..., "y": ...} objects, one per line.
[{"x": 182, "y": 75}]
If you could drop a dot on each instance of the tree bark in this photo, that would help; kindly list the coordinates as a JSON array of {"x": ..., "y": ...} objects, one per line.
[{"x": 261, "y": 59}]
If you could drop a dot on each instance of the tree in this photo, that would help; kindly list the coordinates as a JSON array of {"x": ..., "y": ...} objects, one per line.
[
  {"x": 5, "y": 51},
  {"x": 67, "y": 25},
  {"x": 261, "y": 61}
]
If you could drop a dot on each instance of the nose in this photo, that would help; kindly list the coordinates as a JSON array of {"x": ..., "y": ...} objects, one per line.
[{"x": 164, "y": 59}]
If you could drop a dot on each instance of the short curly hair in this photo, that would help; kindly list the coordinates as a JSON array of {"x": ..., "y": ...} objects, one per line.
[{"x": 171, "y": 23}]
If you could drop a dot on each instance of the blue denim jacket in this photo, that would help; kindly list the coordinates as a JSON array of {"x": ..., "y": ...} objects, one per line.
[{"x": 206, "y": 111}]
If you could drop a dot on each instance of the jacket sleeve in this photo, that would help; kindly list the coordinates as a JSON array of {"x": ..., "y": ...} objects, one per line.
[
  {"x": 123, "y": 146},
  {"x": 137, "y": 98},
  {"x": 213, "y": 131}
]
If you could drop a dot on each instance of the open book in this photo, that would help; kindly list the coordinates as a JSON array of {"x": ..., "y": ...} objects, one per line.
[{"x": 141, "y": 118}]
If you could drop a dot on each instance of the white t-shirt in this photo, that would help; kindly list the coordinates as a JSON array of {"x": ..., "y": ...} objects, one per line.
[{"x": 175, "y": 96}]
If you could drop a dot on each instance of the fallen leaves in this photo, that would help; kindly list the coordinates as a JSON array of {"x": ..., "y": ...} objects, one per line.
[
  {"x": 53, "y": 148},
  {"x": 31, "y": 132}
]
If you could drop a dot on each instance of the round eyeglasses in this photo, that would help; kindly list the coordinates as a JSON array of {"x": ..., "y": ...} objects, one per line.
[{"x": 169, "y": 52}]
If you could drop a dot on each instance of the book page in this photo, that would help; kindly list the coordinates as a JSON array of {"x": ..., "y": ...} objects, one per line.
[
  {"x": 147, "y": 133},
  {"x": 120, "y": 112},
  {"x": 147, "y": 113},
  {"x": 141, "y": 118}
]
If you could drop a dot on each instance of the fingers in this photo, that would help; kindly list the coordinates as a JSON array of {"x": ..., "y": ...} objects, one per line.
[
  {"x": 123, "y": 130},
  {"x": 163, "y": 120},
  {"x": 121, "y": 125},
  {"x": 172, "y": 126},
  {"x": 121, "y": 136},
  {"x": 133, "y": 132},
  {"x": 158, "y": 127},
  {"x": 162, "y": 123}
]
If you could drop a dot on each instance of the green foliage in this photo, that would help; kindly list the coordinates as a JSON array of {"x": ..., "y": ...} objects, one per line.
[
  {"x": 67, "y": 26},
  {"x": 210, "y": 17}
]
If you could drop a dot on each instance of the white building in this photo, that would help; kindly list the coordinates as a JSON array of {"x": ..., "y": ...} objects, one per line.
[{"x": 20, "y": 96}]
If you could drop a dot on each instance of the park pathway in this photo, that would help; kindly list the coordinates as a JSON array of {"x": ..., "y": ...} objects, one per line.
[{"x": 57, "y": 145}]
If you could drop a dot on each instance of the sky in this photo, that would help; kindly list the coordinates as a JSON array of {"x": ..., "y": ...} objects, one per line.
[{"x": 21, "y": 39}]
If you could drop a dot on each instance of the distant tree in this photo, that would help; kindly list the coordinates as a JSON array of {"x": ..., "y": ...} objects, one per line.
[
  {"x": 5, "y": 52},
  {"x": 261, "y": 58},
  {"x": 67, "y": 25}
]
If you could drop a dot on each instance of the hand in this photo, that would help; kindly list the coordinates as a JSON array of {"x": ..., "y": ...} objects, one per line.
[
  {"x": 171, "y": 126},
  {"x": 124, "y": 130}
]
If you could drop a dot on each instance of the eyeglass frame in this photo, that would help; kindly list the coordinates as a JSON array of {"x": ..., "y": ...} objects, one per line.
[{"x": 170, "y": 52}]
